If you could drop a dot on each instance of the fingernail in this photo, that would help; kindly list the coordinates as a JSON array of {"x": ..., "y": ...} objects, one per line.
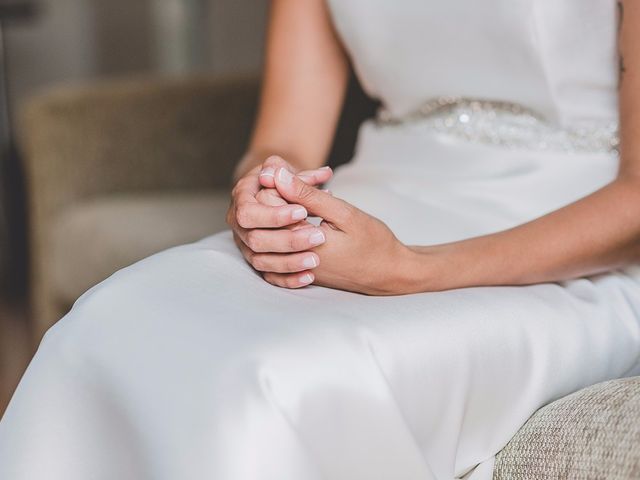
[
  {"x": 306, "y": 279},
  {"x": 309, "y": 262},
  {"x": 325, "y": 168},
  {"x": 267, "y": 172},
  {"x": 316, "y": 238},
  {"x": 285, "y": 176},
  {"x": 299, "y": 213},
  {"x": 326, "y": 190}
]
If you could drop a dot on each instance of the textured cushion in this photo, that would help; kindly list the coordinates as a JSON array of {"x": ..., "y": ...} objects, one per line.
[
  {"x": 591, "y": 434},
  {"x": 94, "y": 239}
]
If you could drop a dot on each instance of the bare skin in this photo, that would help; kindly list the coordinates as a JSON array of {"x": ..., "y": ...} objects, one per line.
[{"x": 306, "y": 76}]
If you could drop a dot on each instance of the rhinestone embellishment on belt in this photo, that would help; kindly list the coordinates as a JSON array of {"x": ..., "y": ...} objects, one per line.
[{"x": 506, "y": 124}]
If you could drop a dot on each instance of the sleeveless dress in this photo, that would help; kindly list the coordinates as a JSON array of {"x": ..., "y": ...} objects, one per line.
[{"x": 187, "y": 365}]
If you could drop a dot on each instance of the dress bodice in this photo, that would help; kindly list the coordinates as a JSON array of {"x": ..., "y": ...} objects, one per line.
[{"x": 557, "y": 58}]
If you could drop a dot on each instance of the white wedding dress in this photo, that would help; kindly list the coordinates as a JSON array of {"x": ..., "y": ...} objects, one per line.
[{"x": 187, "y": 365}]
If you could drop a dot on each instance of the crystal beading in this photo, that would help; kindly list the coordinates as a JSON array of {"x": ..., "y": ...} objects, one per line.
[{"x": 506, "y": 124}]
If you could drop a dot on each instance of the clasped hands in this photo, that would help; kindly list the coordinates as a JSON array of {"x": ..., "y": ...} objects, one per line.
[{"x": 349, "y": 250}]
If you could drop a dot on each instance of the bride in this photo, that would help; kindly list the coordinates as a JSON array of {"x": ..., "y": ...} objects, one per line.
[{"x": 476, "y": 260}]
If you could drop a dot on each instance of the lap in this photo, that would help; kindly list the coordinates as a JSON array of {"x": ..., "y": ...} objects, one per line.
[
  {"x": 206, "y": 292},
  {"x": 201, "y": 302},
  {"x": 192, "y": 336}
]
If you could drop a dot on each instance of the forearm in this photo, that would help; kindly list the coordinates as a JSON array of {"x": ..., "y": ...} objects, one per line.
[
  {"x": 595, "y": 234},
  {"x": 305, "y": 80}
]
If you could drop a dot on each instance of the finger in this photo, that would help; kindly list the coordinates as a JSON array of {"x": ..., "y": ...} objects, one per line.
[
  {"x": 316, "y": 201},
  {"x": 252, "y": 214},
  {"x": 271, "y": 197},
  {"x": 282, "y": 240},
  {"x": 314, "y": 177},
  {"x": 269, "y": 167},
  {"x": 280, "y": 262},
  {"x": 247, "y": 185},
  {"x": 289, "y": 280},
  {"x": 242, "y": 247},
  {"x": 266, "y": 177},
  {"x": 275, "y": 161}
]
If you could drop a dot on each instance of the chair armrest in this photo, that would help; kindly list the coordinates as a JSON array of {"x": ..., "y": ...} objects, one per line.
[
  {"x": 136, "y": 134},
  {"x": 593, "y": 433}
]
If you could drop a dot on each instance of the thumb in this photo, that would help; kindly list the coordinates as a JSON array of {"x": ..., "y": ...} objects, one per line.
[{"x": 321, "y": 204}]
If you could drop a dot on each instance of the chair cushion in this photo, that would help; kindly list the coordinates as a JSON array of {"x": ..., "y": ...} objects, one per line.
[
  {"x": 92, "y": 240},
  {"x": 593, "y": 433}
]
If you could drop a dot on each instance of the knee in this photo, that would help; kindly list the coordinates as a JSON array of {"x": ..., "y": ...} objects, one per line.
[{"x": 90, "y": 315}]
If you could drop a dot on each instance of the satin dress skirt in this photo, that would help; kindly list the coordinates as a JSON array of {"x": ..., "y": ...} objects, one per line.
[{"x": 187, "y": 365}]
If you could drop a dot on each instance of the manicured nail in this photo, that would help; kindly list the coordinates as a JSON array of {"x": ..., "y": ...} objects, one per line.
[
  {"x": 267, "y": 172},
  {"x": 306, "y": 279},
  {"x": 299, "y": 213},
  {"x": 309, "y": 262},
  {"x": 316, "y": 238},
  {"x": 285, "y": 176}
]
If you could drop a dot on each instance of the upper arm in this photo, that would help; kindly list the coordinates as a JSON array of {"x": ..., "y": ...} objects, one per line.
[
  {"x": 629, "y": 51},
  {"x": 305, "y": 78}
]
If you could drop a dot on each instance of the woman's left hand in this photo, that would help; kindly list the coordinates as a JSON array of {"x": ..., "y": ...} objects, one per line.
[{"x": 361, "y": 254}]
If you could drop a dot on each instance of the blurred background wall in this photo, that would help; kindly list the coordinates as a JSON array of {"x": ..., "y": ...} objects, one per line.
[{"x": 80, "y": 40}]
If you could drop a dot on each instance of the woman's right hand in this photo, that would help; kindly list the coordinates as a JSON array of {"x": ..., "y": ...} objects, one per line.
[{"x": 272, "y": 234}]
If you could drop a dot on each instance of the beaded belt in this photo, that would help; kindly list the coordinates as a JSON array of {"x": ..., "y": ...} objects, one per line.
[{"x": 506, "y": 124}]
